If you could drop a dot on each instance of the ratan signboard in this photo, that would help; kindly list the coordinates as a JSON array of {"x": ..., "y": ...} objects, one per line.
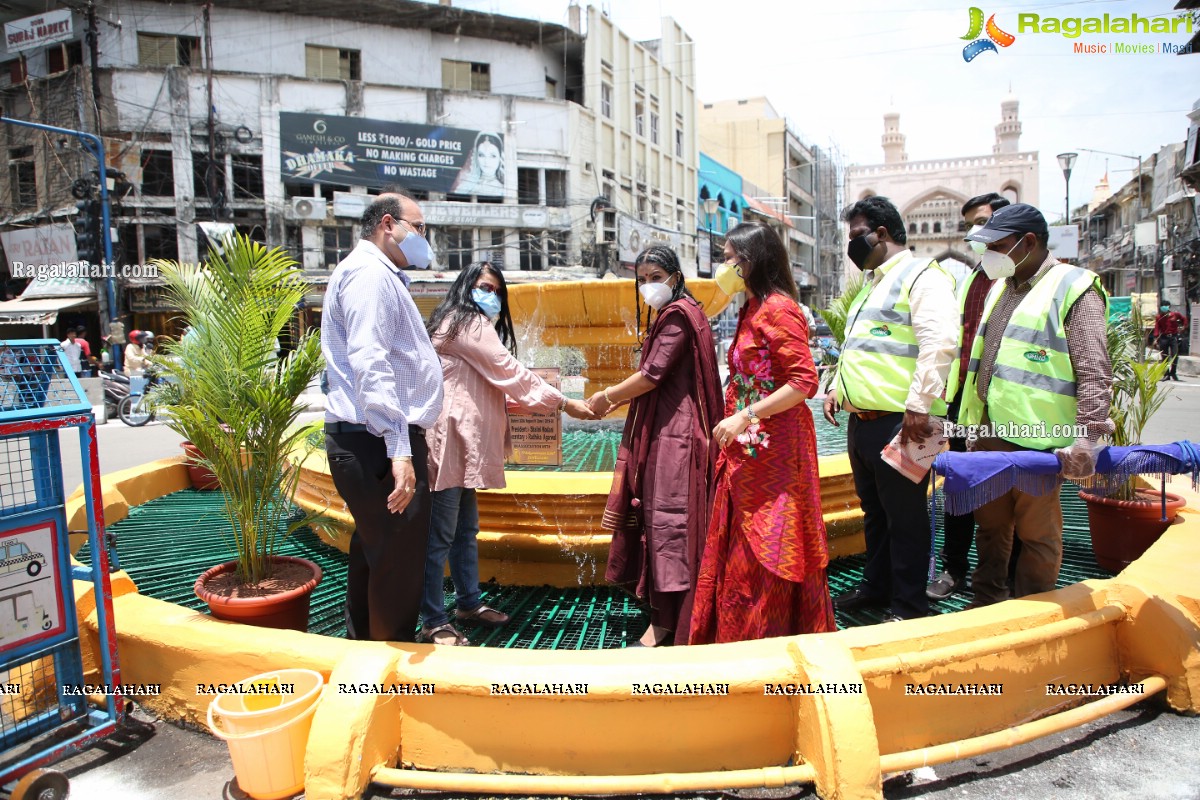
[
  {"x": 317, "y": 148},
  {"x": 39, "y": 248}
]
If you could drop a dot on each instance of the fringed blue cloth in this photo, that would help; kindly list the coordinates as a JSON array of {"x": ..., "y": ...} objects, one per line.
[{"x": 974, "y": 479}]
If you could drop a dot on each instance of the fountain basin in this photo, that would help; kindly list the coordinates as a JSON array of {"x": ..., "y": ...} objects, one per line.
[{"x": 544, "y": 527}]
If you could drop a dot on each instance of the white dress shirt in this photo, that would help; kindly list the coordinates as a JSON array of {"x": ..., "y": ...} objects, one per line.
[{"x": 382, "y": 368}]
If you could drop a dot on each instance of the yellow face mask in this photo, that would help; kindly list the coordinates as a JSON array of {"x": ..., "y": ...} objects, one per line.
[{"x": 729, "y": 278}]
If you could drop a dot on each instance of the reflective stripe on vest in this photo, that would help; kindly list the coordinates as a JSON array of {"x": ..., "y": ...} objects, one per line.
[
  {"x": 879, "y": 356},
  {"x": 1033, "y": 380}
]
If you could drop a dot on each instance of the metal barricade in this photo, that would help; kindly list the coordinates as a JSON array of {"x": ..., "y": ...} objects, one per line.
[{"x": 45, "y": 712}]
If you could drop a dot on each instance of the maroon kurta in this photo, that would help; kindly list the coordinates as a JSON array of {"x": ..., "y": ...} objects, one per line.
[{"x": 665, "y": 468}]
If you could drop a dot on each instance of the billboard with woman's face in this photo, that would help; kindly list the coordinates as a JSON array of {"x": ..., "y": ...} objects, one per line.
[{"x": 316, "y": 148}]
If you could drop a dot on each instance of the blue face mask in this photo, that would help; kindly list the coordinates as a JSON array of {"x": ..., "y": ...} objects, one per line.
[
  {"x": 417, "y": 250},
  {"x": 488, "y": 302}
]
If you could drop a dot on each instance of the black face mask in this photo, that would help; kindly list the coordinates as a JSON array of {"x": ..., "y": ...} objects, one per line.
[{"x": 859, "y": 249}]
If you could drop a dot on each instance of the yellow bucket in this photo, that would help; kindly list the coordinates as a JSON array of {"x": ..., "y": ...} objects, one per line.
[{"x": 266, "y": 724}]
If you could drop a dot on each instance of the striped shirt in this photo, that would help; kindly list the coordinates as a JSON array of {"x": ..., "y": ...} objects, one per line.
[
  {"x": 1087, "y": 345},
  {"x": 383, "y": 370}
]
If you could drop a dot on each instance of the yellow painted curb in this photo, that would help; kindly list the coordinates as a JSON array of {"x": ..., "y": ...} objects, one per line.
[{"x": 353, "y": 732}]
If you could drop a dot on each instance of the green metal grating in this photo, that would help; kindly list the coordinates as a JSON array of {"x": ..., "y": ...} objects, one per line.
[{"x": 167, "y": 543}]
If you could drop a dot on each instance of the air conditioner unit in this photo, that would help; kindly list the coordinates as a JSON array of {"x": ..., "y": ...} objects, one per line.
[{"x": 307, "y": 208}]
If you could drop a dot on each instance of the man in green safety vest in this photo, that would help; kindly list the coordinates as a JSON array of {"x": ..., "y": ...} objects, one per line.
[
  {"x": 901, "y": 335},
  {"x": 958, "y": 530},
  {"x": 1039, "y": 378}
]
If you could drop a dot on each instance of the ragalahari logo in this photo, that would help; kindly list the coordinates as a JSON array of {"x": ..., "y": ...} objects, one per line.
[{"x": 995, "y": 36}]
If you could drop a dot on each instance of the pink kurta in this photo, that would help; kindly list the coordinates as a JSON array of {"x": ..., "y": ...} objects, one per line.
[{"x": 469, "y": 442}]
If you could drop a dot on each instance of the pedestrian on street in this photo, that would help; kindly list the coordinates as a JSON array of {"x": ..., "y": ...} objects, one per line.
[
  {"x": 901, "y": 336},
  {"x": 472, "y": 332},
  {"x": 661, "y": 495},
  {"x": 764, "y": 571},
  {"x": 385, "y": 391},
  {"x": 1043, "y": 379},
  {"x": 1168, "y": 328},
  {"x": 74, "y": 351}
]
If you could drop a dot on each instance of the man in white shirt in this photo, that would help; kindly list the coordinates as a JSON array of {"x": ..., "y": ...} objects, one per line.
[
  {"x": 74, "y": 350},
  {"x": 385, "y": 390},
  {"x": 901, "y": 335}
]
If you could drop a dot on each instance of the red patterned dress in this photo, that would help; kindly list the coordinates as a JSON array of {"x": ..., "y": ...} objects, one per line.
[{"x": 763, "y": 571}]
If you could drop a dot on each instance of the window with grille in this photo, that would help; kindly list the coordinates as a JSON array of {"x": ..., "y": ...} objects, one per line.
[
  {"x": 528, "y": 193},
  {"x": 202, "y": 170},
  {"x": 338, "y": 244},
  {"x": 606, "y": 100},
  {"x": 162, "y": 50},
  {"x": 639, "y": 118},
  {"x": 23, "y": 175},
  {"x": 679, "y": 142},
  {"x": 247, "y": 177},
  {"x": 532, "y": 251},
  {"x": 466, "y": 76},
  {"x": 556, "y": 187},
  {"x": 457, "y": 248},
  {"x": 158, "y": 173},
  {"x": 332, "y": 63},
  {"x": 653, "y": 127}
]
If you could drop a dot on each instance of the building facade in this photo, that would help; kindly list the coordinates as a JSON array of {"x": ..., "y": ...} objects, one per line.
[
  {"x": 795, "y": 182},
  {"x": 930, "y": 194},
  {"x": 281, "y": 125}
]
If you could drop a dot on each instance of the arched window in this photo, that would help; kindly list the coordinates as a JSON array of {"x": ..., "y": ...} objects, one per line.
[
  {"x": 937, "y": 227},
  {"x": 912, "y": 227},
  {"x": 924, "y": 227}
]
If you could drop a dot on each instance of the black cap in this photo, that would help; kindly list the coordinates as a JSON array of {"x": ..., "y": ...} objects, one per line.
[{"x": 1020, "y": 218}]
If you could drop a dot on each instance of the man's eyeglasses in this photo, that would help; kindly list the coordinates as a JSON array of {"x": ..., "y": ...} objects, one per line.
[{"x": 419, "y": 227}]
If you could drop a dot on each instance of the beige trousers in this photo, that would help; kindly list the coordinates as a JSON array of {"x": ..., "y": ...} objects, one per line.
[{"x": 1036, "y": 520}]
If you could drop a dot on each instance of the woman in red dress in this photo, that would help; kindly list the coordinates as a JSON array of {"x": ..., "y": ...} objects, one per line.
[
  {"x": 661, "y": 494},
  {"x": 763, "y": 572}
]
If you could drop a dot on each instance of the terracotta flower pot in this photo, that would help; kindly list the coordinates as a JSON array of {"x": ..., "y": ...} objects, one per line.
[
  {"x": 1124, "y": 529},
  {"x": 287, "y": 609},
  {"x": 202, "y": 477}
]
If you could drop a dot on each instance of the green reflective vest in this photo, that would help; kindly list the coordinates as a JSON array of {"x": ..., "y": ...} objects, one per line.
[
  {"x": 1033, "y": 380},
  {"x": 879, "y": 356}
]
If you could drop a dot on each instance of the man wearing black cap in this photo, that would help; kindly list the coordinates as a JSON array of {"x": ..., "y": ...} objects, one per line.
[{"x": 1039, "y": 379}]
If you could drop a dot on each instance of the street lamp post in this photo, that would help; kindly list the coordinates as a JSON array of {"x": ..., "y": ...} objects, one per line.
[
  {"x": 1067, "y": 162},
  {"x": 710, "y": 212}
]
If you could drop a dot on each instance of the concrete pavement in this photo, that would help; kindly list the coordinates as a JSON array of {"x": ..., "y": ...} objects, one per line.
[{"x": 1143, "y": 752}]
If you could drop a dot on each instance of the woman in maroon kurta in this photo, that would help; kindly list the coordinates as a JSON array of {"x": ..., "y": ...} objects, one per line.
[
  {"x": 660, "y": 500},
  {"x": 763, "y": 571}
]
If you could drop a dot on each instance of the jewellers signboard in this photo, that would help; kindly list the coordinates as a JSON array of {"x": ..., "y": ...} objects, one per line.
[
  {"x": 634, "y": 236},
  {"x": 489, "y": 215},
  {"x": 33, "y": 32},
  {"x": 371, "y": 152}
]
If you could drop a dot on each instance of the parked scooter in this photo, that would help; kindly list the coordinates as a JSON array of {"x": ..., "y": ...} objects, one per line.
[{"x": 125, "y": 398}]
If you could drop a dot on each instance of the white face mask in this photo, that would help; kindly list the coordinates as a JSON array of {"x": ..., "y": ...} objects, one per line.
[
  {"x": 655, "y": 295},
  {"x": 979, "y": 247},
  {"x": 999, "y": 265}
]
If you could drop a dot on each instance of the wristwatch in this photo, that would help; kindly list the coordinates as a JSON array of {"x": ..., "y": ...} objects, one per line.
[{"x": 750, "y": 415}]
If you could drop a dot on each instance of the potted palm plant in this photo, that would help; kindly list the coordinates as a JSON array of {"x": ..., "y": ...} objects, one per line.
[
  {"x": 237, "y": 405},
  {"x": 1124, "y": 524}
]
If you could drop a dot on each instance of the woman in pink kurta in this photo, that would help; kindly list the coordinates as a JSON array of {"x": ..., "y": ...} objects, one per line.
[
  {"x": 469, "y": 443},
  {"x": 763, "y": 572},
  {"x": 659, "y": 503}
]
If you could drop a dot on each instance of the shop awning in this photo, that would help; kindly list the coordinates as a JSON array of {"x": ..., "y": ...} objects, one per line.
[{"x": 43, "y": 311}]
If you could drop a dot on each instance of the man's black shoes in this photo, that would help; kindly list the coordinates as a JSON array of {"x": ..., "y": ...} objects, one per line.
[{"x": 857, "y": 598}]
